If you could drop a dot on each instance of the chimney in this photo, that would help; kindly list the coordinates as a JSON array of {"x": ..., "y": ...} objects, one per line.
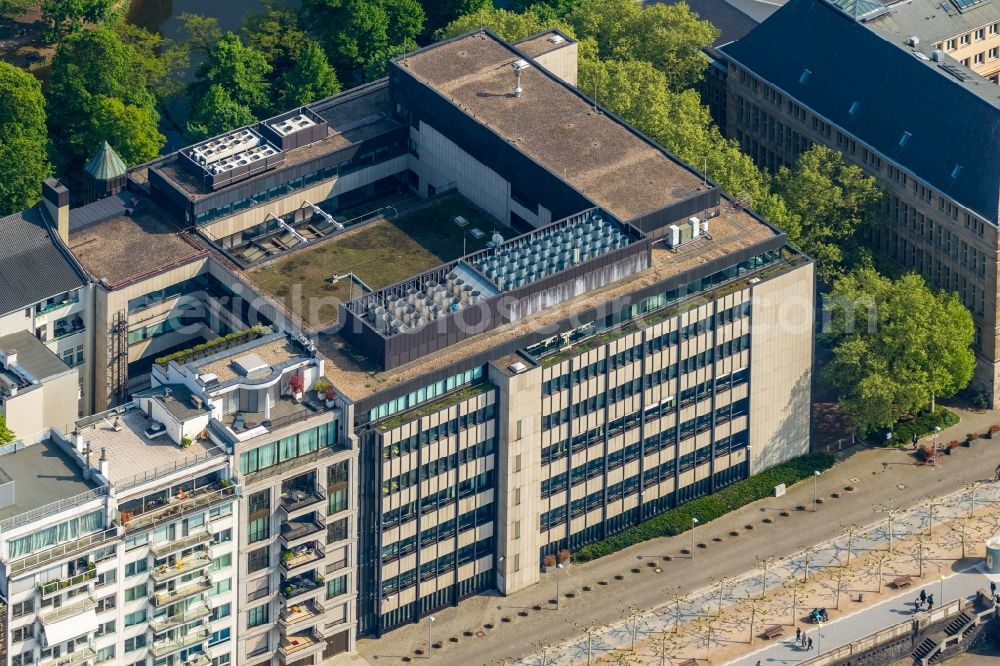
[
  {"x": 10, "y": 359},
  {"x": 55, "y": 195},
  {"x": 103, "y": 462}
]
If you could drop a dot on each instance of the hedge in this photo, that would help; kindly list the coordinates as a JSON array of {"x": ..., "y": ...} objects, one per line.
[
  {"x": 923, "y": 424},
  {"x": 708, "y": 508},
  {"x": 252, "y": 333}
]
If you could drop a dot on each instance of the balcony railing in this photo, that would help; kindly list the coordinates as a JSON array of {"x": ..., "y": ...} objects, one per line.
[
  {"x": 200, "y": 659},
  {"x": 164, "y": 648},
  {"x": 56, "y": 306},
  {"x": 291, "y": 530},
  {"x": 79, "y": 656},
  {"x": 165, "y": 622},
  {"x": 292, "y": 590},
  {"x": 192, "y": 562},
  {"x": 302, "y": 555},
  {"x": 162, "y": 548},
  {"x": 51, "y": 508},
  {"x": 54, "y": 586},
  {"x": 178, "y": 508},
  {"x": 293, "y": 500},
  {"x": 168, "y": 597},
  {"x": 299, "y": 642},
  {"x": 65, "y": 550},
  {"x": 297, "y": 614},
  {"x": 69, "y": 610}
]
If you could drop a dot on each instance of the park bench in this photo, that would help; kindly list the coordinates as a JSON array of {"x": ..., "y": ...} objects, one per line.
[
  {"x": 773, "y": 631},
  {"x": 902, "y": 582},
  {"x": 689, "y": 662}
]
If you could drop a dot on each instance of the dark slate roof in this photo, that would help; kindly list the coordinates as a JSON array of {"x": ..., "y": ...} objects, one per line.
[
  {"x": 40, "y": 361},
  {"x": 731, "y": 22},
  {"x": 32, "y": 266},
  {"x": 953, "y": 126}
]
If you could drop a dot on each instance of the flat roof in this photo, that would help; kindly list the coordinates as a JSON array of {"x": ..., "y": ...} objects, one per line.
[
  {"x": 933, "y": 20},
  {"x": 272, "y": 350},
  {"x": 731, "y": 231},
  {"x": 134, "y": 237},
  {"x": 132, "y": 454},
  {"x": 542, "y": 43},
  {"x": 353, "y": 116},
  {"x": 610, "y": 163},
  {"x": 40, "y": 361},
  {"x": 43, "y": 473}
]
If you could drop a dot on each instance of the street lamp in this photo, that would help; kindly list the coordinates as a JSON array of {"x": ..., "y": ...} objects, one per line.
[
  {"x": 937, "y": 435},
  {"x": 819, "y": 640},
  {"x": 694, "y": 521},
  {"x": 815, "y": 479},
  {"x": 559, "y": 566},
  {"x": 430, "y": 622},
  {"x": 941, "y": 603}
]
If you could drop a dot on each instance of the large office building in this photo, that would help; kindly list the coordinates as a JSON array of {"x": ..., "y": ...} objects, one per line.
[
  {"x": 600, "y": 336},
  {"x": 847, "y": 75}
]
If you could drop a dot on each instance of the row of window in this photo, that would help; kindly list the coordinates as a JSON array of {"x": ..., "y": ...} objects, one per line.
[
  {"x": 288, "y": 448},
  {"x": 438, "y": 532},
  {"x": 441, "y": 431},
  {"x": 966, "y": 38},
  {"x": 440, "y": 466},
  {"x": 437, "y": 567},
  {"x": 420, "y": 396},
  {"x": 434, "y": 501}
]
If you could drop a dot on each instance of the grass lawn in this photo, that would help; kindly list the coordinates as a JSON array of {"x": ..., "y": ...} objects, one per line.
[{"x": 381, "y": 253}]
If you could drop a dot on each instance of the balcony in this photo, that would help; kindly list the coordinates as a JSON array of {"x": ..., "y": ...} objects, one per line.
[
  {"x": 300, "y": 556},
  {"x": 67, "y": 326},
  {"x": 298, "y": 644},
  {"x": 295, "y": 589},
  {"x": 164, "y": 548},
  {"x": 68, "y": 611},
  {"x": 294, "y": 532},
  {"x": 164, "y": 622},
  {"x": 167, "y": 597},
  {"x": 54, "y": 304},
  {"x": 168, "y": 647},
  {"x": 178, "y": 507},
  {"x": 200, "y": 659},
  {"x": 192, "y": 562},
  {"x": 296, "y": 499},
  {"x": 81, "y": 656},
  {"x": 65, "y": 550},
  {"x": 300, "y": 614},
  {"x": 54, "y": 587}
]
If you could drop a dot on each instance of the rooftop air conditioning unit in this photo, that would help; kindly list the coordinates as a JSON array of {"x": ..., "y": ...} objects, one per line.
[
  {"x": 695, "y": 226},
  {"x": 937, "y": 55},
  {"x": 517, "y": 368},
  {"x": 673, "y": 235}
]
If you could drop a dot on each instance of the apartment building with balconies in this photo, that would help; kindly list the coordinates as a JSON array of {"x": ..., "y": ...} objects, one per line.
[
  {"x": 790, "y": 87},
  {"x": 296, "y": 590}
]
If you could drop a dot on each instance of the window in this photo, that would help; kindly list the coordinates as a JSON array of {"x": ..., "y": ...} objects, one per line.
[
  {"x": 220, "y": 511},
  {"x": 221, "y": 611},
  {"x": 517, "y": 562},
  {"x": 138, "y": 617},
  {"x": 221, "y": 562},
  {"x": 222, "y": 537},
  {"x": 221, "y": 660},
  {"x": 979, "y": 58},
  {"x": 25, "y": 659},
  {"x": 336, "y": 531},
  {"x": 105, "y": 629},
  {"x": 258, "y": 560},
  {"x": 23, "y": 608},
  {"x": 336, "y": 586},
  {"x": 136, "y": 568},
  {"x": 220, "y": 636},
  {"x": 135, "y": 643},
  {"x": 258, "y": 616},
  {"x": 260, "y": 516},
  {"x": 221, "y": 587},
  {"x": 105, "y": 654},
  {"x": 79, "y": 355},
  {"x": 23, "y": 633},
  {"x": 135, "y": 593},
  {"x": 106, "y": 578},
  {"x": 107, "y": 603}
]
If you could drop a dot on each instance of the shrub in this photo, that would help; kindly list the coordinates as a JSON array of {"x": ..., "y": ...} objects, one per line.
[
  {"x": 953, "y": 444},
  {"x": 923, "y": 424},
  {"x": 564, "y": 556},
  {"x": 982, "y": 400},
  {"x": 706, "y": 509},
  {"x": 972, "y": 436},
  {"x": 185, "y": 442},
  {"x": 252, "y": 333},
  {"x": 549, "y": 561}
]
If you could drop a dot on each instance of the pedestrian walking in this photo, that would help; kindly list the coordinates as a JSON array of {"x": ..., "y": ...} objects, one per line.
[
  {"x": 798, "y": 635},
  {"x": 993, "y": 588},
  {"x": 916, "y": 604},
  {"x": 930, "y": 599},
  {"x": 810, "y": 644},
  {"x": 923, "y": 596}
]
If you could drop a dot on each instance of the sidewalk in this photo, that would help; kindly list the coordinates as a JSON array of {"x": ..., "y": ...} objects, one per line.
[
  {"x": 630, "y": 577},
  {"x": 963, "y": 585}
]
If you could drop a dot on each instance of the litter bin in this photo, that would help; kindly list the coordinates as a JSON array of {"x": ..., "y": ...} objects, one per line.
[{"x": 993, "y": 555}]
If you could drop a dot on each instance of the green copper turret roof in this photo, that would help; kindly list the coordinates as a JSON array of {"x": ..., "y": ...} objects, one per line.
[{"x": 106, "y": 164}]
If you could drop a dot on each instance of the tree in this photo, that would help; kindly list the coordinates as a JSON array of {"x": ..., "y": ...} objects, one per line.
[
  {"x": 215, "y": 113},
  {"x": 11, "y": 8},
  {"x": 851, "y": 533},
  {"x": 880, "y": 559},
  {"x": 202, "y": 33},
  {"x": 132, "y": 130},
  {"x": 69, "y": 15},
  {"x": 677, "y": 598},
  {"x": 310, "y": 79},
  {"x": 839, "y": 575},
  {"x": 24, "y": 142},
  {"x": 90, "y": 68},
  {"x": 6, "y": 434},
  {"x": 669, "y": 37},
  {"x": 442, "y": 12},
  {"x": 796, "y": 589},
  {"x": 972, "y": 487},
  {"x": 912, "y": 345},
  {"x": 833, "y": 200},
  {"x": 277, "y": 34},
  {"x": 240, "y": 70},
  {"x": 508, "y": 25},
  {"x": 164, "y": 61},
  {"x": 764, "y": 564}
]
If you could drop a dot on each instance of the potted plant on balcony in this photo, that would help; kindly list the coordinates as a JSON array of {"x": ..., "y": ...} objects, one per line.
[
  {"x": 330, "y": 396},
  {"x": 295, "y": 385},
  {"x": 288, "y": 590},
  {"x": 125, "y": 516},
  {"x": 185, "y": 442},
  {"x": 287, "y": 556}
]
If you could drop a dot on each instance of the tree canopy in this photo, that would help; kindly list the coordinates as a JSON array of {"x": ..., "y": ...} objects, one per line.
[
  {"x": 70, "y": 15},
  {"x": 216, "y": 112},
  {"x": 91, "y": 68},
  {"x": 240, "y": 69},
  {"x": 309, "y": 79},
  {"x": 24, "y": 141},
  {"x": 6, "y": 434},
  {"x": 442, "y": 12},
  {"x": 832, "y": 201},
  {"x": 508, "y": 25},
  {"x": 12, "y": 8},
  {"x": 896, "y": 346}
]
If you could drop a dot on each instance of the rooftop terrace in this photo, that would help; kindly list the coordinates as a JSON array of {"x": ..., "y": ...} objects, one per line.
[
  {"x": 272, "y": 351},
  {"x": 134, "y": 455},
  {"x": 122, "y": 238},
  {"x": 611, "y": 164},
  {"x": 731, "y": 231},
  {"x": 543, "y": 43}
]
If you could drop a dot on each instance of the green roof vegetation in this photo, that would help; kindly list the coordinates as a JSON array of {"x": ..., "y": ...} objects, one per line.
[
  {"x": 435, "y": 406},
  {"x": 218, "y": 344}
]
